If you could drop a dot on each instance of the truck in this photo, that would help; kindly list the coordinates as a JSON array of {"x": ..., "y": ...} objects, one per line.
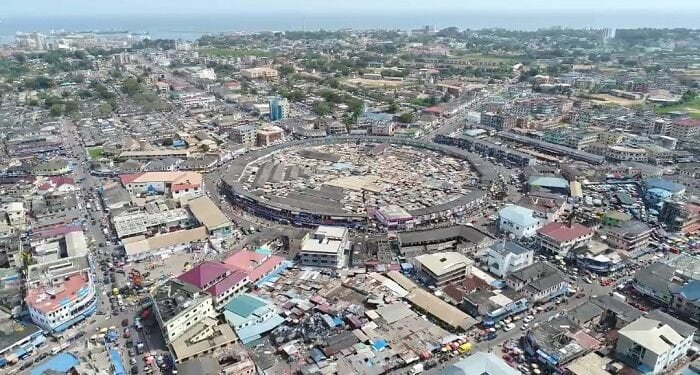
[
  {"x": 58, "y": 348},
  {"x": 417, "y": 368}
]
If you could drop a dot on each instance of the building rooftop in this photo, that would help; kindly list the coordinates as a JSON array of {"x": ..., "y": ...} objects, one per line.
[
  {"x": 631, "y": 228},
  {"x": 561, "y": 232},
  {"x": 57, "y": 269},
  {"x": 481, "y": 363},
  {"x": 256, "y": 265},
  {"x": 443, "y": 263},
  {"x": 204, "y": 274},
  {"x": 48, "y": 298},
  {"x": 508, "y": 247},
  {"x": 651, "y": 334},
  {"x": 174, "y": 297},
  {"x": 535, "y": 271},
  {"x": 207, "y": 213},
  {"x": 521, "y": 216}
]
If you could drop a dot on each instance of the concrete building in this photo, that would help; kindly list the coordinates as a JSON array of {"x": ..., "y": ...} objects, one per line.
[
  {"x": 652, "y": 346},
  {"x": 251, "y": 316},
  {"x": 395, "y": 217},
  {"x": 244, "y": 134},
  {"x": 179, "y": 305},
  {"x": 504, "y": 257},
  {"x": 560, "y": 238},
  {"x": 685, "y": 130},
  {"x": 219, "y": 281},
  {"x": 630, "y": 236},
  {"x": 279, "y": 108},
  {"x": 268, "y": 135},
  {"x": 519, "y": 221},
  {"x": 686, "y": 301},
  {"x": 482, "y": 364},
  {"x": 443, "y": 268},
  {"x": 53, "y": 167},
  {"x": 210, "y": 216},
  {"x": 176, "y": 184},
  {"x": 259, "y": 73},
  {"x": 60, "y": 293},
  {"x": 539, "y": 282},
  {"x": 325, "y": 247}
]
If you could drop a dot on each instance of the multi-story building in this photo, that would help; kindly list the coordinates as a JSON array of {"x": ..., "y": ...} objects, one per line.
[
  {"x": 60, "y": 293},
  {"x": 221, "y": 282},
  {"x": 325, "y": 247},
  {"x": 619, "y": 153},
  {"x": 538, "y": 281},
  {"x": 383, "y": 128},
  {"x": 244, "y": 134},
  {"x": 679, "y": 216},
  {"x": 268, "y": 135},
  {"x": 498, "y": 121},
  {"x": 195, "y": 99},
  {"x": 504, "y": 257},
  {"x": 560, "y": 238},
  {"x": 519, "y": 221},
  {"x": 630, "y": 236},
  {"x": 279, "y": 108},
  {"x": 686, "y": 301},
  {"x": 251, "y": 316},
  {"x": 176, "y": 184},
  {"x": 179, "y": 305},
  {"x": 685, "y": 130},
  {"x": 654, "y": 343},
  {"x": 443, "y": 268},
  {"x": 259, "y": 73}
]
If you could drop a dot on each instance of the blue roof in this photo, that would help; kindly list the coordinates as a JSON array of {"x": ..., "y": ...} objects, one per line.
[
  {"x": 379, "y": 345},
  {"x": 660, "y": 183},
  {"x": 117, "y": 362},
  {"x": 660, "y": 192},
  {"x": 691, "y": 290},
  {"x": 245, "y": 304},
  {"x": 253, "y": 332},
  {"x": 519, "y": 215},
  {"x": 60, "y": 363},
  {"x": 548, "y": 181}
]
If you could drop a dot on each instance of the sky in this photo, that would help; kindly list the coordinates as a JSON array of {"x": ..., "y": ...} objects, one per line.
[{"x": 53, "y": 8}]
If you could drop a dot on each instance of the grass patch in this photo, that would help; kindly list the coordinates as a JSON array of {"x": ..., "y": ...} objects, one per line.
[
  {"x": 95, "y": 152},
  {"x": 489, "y": 58},
  {"x": 230, "y": 52},
  {"x": 692, "y": 107}
]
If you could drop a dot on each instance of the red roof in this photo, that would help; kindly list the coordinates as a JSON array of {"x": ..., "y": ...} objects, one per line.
[
  {"x": 561, "y": 232},
  {"x": 61, "y": 180},
  {"x": 203, "y": 274},
  {"x": 435, "y": 109},
  {"x": 128, "y": 178},
  {"x": 227, "y": 283},
  {"x": 257, "y": 265},
  {"x": 40, "y": 297},
  {"x": 57, "y": 231}
]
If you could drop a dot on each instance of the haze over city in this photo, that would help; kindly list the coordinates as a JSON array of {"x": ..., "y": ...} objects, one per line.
[{"x": 349, "y": 188}]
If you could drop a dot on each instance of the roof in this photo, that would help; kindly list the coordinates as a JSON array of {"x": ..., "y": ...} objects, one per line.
[
  {"x": 186, "y": 177},
  {"x": 443, "y": 263},
  {"x": 653, "y": 335},
  {"x": 508, "y": 247},
  {"x": 547, "y": 181},
  {"x": 660, "y": 183},
  {"x": 585, "y": 312},
  {"x": 521, "y": 216},
  {"x": 60, "y": 363},
  {"x": 561, "y": 232},
  {"x": 227, "y": 283},
  {"x": 691, "y": 291},
  {"x": 200, "y": 365},
  {"x": 255, "y": 264},
  {"x": 245, "y": 304},
  {"x": 12, "y": 332},
  {"x": 656, "y": 276},
  {"x": 440, "y": 309},
  {"x": 204, "y": 274},
  {"x": 682, "y": 328},
  {"x": 165, "y": 240},
  {"x": 481, "y": 363},
  {"x": 207, "y": 213},
  {"x": 47, "y": 299},
  {"x": 590, "y": 364},
  {"x": 463, "y": 232}
]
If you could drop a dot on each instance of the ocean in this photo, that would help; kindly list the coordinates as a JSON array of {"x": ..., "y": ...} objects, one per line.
[{"x": 190, "y": 27}]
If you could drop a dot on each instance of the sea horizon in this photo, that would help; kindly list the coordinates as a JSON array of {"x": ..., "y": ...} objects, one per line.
[{"x": 191, "y": 27}]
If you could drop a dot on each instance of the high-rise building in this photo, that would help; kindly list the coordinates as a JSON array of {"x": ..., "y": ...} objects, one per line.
[{"x": 279, "y": 108}]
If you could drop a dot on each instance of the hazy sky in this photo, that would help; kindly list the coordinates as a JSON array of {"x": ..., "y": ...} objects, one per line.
[{"x": 33, "y": 8}]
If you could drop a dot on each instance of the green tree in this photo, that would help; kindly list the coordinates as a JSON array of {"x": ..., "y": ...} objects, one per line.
[
  {"x": 322, "y": 108},
  {"x": 131, "y": 87},
  {"x": 56, "y": 110},
  {"x": 71, "y": 106},
  {"x": 406, "y": 118},
  {"x": 104, "y": 109},
  {"x": 393, "y": 107}
]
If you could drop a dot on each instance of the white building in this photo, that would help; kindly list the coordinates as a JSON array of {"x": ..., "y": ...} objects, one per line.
[
  {"x": 178, "y": 306},
  {"x": 653, "y": 344},
  {"x": 519, "y": 221},
  {"x": 325, "y": 247},
  {"x": 60, "y": 293},
  {"x": 506, "y": 257},
  {"x": 444, "y": 268}
]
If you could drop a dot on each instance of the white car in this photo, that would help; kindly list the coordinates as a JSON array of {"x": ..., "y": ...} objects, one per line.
[
  {"x": 509, "y": 327},
  {"x": 525, "y": 326},
  {"x": 528, "y": 319}
]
